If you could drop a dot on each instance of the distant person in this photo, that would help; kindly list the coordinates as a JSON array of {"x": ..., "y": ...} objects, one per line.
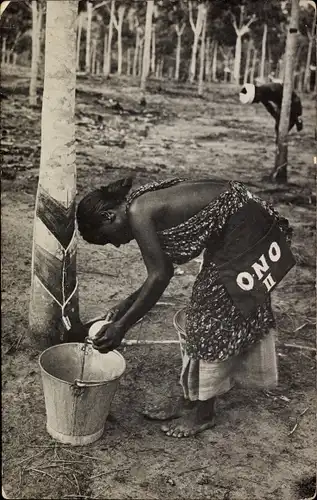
[
  {"x": 270, "y": 95},
  {"x": 173, "y": 222}
]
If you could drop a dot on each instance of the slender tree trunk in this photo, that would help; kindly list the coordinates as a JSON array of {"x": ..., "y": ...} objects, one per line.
[
  {"x": 79, "y": 31},
  {"x": 129, "y": 61},
  {"x": 141, "y": 48},
  {"x": 279, "y": 173},
  {"x": 247, "y": 62},
  {"x": 118, "y": 25},
  {"x": 253, "y": 67},
  {"x": 15, "y": 57},
  {"x": 4, "y": 50},
  {"x": 215, "y": 62},
  {"x": 179, "y": 32},
  {"x": 136, "y": 53},
  {"x": 110, "y": 36},
  {"x": 237, "y": 59},
  {"x": 197, "y": 31},
  {"x": 263, "y": 52},
  {"x": 153, "y": 50},
  {"x": 147, "y": 43},
  {"x": 311, "y": 36},
  {"x": 37, "y": 14},
  {"x": 93, "y": 56},
  {"x": 208, "y": 59},
  {"x": 98, "y": 67},
  {"x": 105, "y": 54},
  {"x": 202, "y": 58},
  {"x": 54, "y": 297},
  {"x": 88, "y": 37},
  {"x": 161, "y": 68}
]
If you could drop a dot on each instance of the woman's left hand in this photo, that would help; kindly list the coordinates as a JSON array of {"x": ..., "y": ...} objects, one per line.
[{"x": 108, "y": 338}]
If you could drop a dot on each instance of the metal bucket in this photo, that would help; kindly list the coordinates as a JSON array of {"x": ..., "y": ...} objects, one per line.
[{"x": 77, "y": 406}]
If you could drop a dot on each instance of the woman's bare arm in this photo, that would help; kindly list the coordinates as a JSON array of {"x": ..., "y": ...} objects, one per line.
[{"x": 159, "y": 268}]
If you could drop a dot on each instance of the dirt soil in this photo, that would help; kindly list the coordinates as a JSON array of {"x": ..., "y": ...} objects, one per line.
[{"x": 262, "y": 446}]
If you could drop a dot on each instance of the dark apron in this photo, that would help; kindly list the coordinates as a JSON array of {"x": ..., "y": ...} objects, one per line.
[{"x": 253, "y": 258}]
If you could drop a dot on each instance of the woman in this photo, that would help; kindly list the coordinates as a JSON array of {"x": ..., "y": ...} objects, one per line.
[{"x": 173, "y": 222}]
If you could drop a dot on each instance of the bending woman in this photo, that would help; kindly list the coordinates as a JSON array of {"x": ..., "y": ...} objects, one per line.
[{"x": 173, "y": 222}]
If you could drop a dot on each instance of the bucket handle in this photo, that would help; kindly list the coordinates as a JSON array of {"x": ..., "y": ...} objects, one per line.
[{"x": 81, "y": 383}]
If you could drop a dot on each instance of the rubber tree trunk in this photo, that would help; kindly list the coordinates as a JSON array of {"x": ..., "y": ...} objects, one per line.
[
  {"x": 279, "y": 173},
  {"x": 140, "y": 56},
  {"x": 88, "y": 37},
  {"x": 136, "y": 52},
  {"x": 79, "y": 32},
  {"x": 309, "y": 55},
  {"x": 54, "y": 298},
  {"x": 179, "y": 32},
  {"x": 93, "y": 57},
  {"x": 118, "y": 25},
  {"x": 263, "y": 51},
  {"x": 105, "y": 54},
  {"x": 129, "y": 61},
  {"x": 3, "y": 50},
  {"x": 107, "y": 67},
  {"x": 247, "y": 62},
  {"x": 202, "y": 58},
  {"x": 237, "y": 59},
  {"x": 37, "y": 14},
  {"x": 253, "y": 67},
  {"x": 208, "y": 47},
  {"x": 214, "y": 62},
  {"x": 147, "y": 43},
  {"x": 153, "y": 50},
  {"x": 201, "y": 11}
]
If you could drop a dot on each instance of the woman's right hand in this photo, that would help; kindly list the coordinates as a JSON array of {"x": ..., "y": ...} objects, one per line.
[{"x": 116, "y": 312}]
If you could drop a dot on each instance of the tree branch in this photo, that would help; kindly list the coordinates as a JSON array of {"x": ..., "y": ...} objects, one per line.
[
  {"x": 191, "y": 20},
  {"x": 234, "y": 22},
  {"x": 100, "y": 5}
]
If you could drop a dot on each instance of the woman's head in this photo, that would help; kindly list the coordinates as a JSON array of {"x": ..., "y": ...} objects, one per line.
[{"x": 101, "y": 214}]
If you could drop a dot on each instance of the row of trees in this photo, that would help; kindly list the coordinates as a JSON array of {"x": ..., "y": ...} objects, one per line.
[{"x": 237, "y": 41}]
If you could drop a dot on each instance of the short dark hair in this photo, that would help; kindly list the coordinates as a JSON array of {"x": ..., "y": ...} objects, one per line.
[{"x": 92, "y": 210}]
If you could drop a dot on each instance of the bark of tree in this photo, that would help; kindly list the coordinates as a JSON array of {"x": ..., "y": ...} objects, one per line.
[
  {"x": 196, "y": 27},
  {"x": 202, "y": 57},
  {"x": 247, "y": 62},
  {"x": 140, "y": 56},
  {"x": 93, "y": 56},
  {"x": 129, "y": 61},
  {"x": 15, "y": 57},
  {"x": 3, "y": 50},
  {"x": 107, "y": 67},
  {"x": 118, "y": 25},
  {"x": 88, "y": 37},
  {"x": 54, "y": 297},
  {"x": 179, "y": 31},
  {"x": 79, "y": 32},
  {"x": 279, "y": 173},
  {"x": 240, "y": 30},
  {"x": 105, "y": 54},
  {"x": 254, "y": 63},
  {"x": 208, "y": 49},
  {"x": 37, "y": 15},
  {"x": 263, "y": 52},
  {"x": 136, "y": 50},
  {"x": 309, "y": 54},
  {"x": 153, "y": 50},
  {"x": 215, "y": 62},
  {"x": 147, "y": 43}
]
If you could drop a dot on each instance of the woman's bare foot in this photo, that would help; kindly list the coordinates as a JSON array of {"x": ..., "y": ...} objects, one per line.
[
  {"x": 171, "y": 410},
  {"x": 200, "y": 418}
]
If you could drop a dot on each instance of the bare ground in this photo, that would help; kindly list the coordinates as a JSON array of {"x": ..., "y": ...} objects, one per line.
[{"x": 254, "y": 452}]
